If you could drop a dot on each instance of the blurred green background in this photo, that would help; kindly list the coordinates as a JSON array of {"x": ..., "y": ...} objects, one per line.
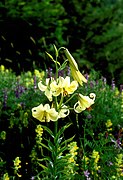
[{"x": 92, "y": 30}]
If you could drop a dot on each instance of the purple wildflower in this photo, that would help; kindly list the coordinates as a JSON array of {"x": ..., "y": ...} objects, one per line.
[
  {"x": 35, "y": 82},
  {"x": 89, "y": 116},
  {"x": 5, "y": 97},
  {"x": 61, "y": 73},
  {"x": 91, "y": 84},
  {"x": 86, "y": 76},
  {"x": 49, "y": 72},
  {"x": 68, "y": 71},
  {"x": 19, "y": 90},
  {"x": 117, "y": 143},
  {"x": 86, "y": 174},
  {"x": 110, "y": 163},
  {"x": 121, "y": 87}
]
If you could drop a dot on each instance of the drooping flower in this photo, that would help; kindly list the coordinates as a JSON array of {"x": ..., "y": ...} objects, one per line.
[
  {"x": 46, "y": 88},
  {"x": 71, "y": 59},
  {"x": 63, "y": 86},
  {"x": 84, "y": 102},
  {"x": 76, "y": 74},
  {"x": 45, "y": 113}
]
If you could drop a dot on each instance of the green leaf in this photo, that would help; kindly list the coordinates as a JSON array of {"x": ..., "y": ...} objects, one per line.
[
  {"x": 63, "y": 65},
  {"x": 62, "y": 150},
  {"x": 48, "y": 130},
  {"x": 51, "y": 146},
  {"x": 56, "y": 51},
  {"x": 47, "y": 158},
  {"x": 45, "y": 146},
  {"x": 68, "y": 140},
  {"x": 52, "y": 59},
  {"x": 60, "y": 132},
  {"x": 44, "y": 167}
]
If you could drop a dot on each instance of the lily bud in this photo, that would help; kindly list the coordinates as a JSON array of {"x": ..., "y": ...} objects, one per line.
[{"x": 71, "y": 59}]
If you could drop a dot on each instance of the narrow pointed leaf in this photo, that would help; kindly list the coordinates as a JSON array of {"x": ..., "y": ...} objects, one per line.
[
  {"x": 48, "y": 130},
  {"x": 45, "y": 147}
]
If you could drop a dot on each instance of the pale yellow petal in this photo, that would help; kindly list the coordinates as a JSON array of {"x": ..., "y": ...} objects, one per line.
[
  {"x": 66, "y": 82},
  {"x": 85, "y": 101},
  {"x": 38, "y": 112},
  {"x": 41, "y": 86},
  {"x": 77, "y": 76},
  {"x": 78, "y": 108},
  {"x": 46, "y": 107},
  {"x": 53, "y": 86},
  {"x": 48, "y": 93},
  {"x": 52, "y": 115},
  {"x": 73, "y": 87},
  {"x": 56, "y": 89}
]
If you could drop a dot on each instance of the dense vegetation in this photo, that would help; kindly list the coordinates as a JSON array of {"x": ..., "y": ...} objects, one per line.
[
  {"x": 90, "y": 147},
  {"x": 56, "y": 123}
]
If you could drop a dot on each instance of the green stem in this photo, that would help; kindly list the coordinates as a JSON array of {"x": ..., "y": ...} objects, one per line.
[
  {"x": 56, "y": 128},
  {"x": 70, "y": 98},
  {"x": 61, "y": 101},
  {"x": 82, "y": 144}
]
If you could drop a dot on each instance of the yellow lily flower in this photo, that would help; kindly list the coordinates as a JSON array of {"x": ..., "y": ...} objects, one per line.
[
  {"x": 45, "y": 113},
  {"x": 77, "y": 76},
  {"x": 84, "y": 102},
  {"x": 63, "y": 86},
  {"x": 46, "y": 88}
]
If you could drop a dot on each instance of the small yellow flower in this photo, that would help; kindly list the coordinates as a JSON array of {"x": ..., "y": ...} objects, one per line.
[
  {"x": 17, "y": 163},
  {"x": 119, "y": 164},
  {"x": 95, "y": 154},
  {"x": 46, "y": 88},
  {"x": 86, "y": 159},
  {"x": 2, "y": 68},
  {"x": 63, "y": 86},
  {"x": 6, "y": 176},
  {"x": 71, "y": 160},
  {"x": 39, "y": 130},
  {"x": 84, "y": 102},
  {"x": 108, "y": 123},
  {"x": 117, "y": 92},
  {"x": 45, "y": 113},
  {"x": 39, "y": 74}
]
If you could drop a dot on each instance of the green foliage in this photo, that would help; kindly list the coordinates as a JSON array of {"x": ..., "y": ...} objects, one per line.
[
  {"x": 76, "y": 148},
  {"x": 49, "y": 16},
  {"x": 92, "y": 29},
  {"x": 99, "y": 39}
]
